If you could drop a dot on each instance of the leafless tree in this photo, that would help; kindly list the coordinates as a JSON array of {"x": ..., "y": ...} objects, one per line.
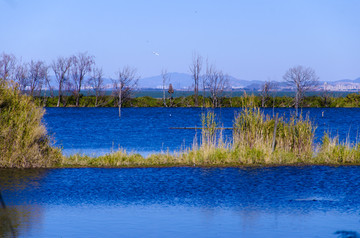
[
  {"x": 81, "y": 65},
  {"x": 7, "y": 66},
  {"x": 326, "y": 95},
  {"x": 96, "y": 82},
  {"x": 61, "y": 67},
  {"x": 50, "y": 87},
  {"x": 265, "y": 89},
  {"x": 195, "y": 69},
  {"x": 21, "y": 76},
  {"x": 38, "y": 72},
  {"x": 302, "y": 79},
  {"x": 216, "y": 82},
  {"x": 124, "y": 85},
  {"x": 165, "y": 78}
]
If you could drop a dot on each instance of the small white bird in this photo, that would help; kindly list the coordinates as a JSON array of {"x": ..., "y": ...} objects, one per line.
[{"x": 156, "y": 53}]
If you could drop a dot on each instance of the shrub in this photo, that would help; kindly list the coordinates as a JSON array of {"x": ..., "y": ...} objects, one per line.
[{"x": 24, "y": 142}]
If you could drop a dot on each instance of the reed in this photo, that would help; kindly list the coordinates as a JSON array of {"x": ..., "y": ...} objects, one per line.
[{"x": 331, "y": 151}]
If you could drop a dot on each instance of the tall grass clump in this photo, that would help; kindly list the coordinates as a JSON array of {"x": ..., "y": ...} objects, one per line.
[
  {"x": 24, "y": 141},
  {"x": 254, "y": 142},
  {"x": 332, "y": 151}
]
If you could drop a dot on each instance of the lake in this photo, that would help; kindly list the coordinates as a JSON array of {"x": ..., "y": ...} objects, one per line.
[{"x": 310, "y": 201}]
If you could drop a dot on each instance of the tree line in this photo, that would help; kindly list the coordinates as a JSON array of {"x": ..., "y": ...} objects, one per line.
[
  {"x": 72, "y": 74},
  {"x": 79, "y": 71}
]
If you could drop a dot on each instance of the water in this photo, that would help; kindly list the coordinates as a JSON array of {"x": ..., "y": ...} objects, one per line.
[
  {"x": 311, "y": 201},
  {"x": 96, "y": 131}
]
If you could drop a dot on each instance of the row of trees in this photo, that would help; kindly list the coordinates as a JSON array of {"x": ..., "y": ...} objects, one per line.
[
  {"x": 72, "y": 74},
  {"x": 302, "y": 79}
]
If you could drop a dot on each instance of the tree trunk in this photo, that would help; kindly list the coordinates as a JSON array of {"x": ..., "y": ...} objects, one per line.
[{"x": 59, "y": 99}]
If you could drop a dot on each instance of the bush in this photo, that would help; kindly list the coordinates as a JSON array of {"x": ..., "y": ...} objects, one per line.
[{"x": 24, "y": 141}]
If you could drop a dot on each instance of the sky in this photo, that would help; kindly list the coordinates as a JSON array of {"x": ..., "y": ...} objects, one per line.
[{"x": 251, "y": 40}]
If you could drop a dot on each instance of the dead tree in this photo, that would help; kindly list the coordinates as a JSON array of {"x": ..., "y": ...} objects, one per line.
[
  {"x": 125, "y": 85},
  {"x": 81, "y": 65},
  {"x": 165, "y": 78},
  {"x": 38, "y": 72},
  {"x": 60, "y": 68},
  {"x": 326, "y": 95},
  {"x": 96, "y": 82},
  {"x": 21, "y": 76},
  {"x": 216, "y": 82},
  {"x": 7, "y": 66},
  {"x": 50, "y": 87},
  {"x": 302, "y": 79},
  {"x": 195, "y": 69},
  {"x": 265, "y": 96}
]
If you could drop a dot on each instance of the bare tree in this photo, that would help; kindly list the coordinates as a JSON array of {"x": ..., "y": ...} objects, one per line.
[
  {"x": 38, "y": 72},
  {"x": 124, "y": 85},
  {"x": 7, "y": 66},
  {"x": 21, "y": 76},
  {"x": 81, "y": 65},
  {"x": 50, "y": 87},
  {"x": 195, "y": 69},
  {"x": 265, "y": 89},
  {"x": 60, "y": 68},
  {"x": 302, "y": 79},
  {"x": 165, "y": 78},
  {"x": 96, "y": 82},
  {"x": 216, "y": 82},
  {"x": 326, "y": 95}
]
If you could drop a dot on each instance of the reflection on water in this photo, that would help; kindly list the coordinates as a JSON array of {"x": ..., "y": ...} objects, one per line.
[
  {"x": 18, "y": 219},
  {"x": 309, "y": 201}
]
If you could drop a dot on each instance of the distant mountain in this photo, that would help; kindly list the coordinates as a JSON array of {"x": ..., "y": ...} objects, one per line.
[
  {"x": 183, "y": 81},
  {"x": 178, "y": 81}
]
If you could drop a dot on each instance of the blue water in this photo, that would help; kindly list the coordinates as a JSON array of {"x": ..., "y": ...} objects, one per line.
[
  {"x": 312, "y": 201},
  {"x": 96, "y": 131}
]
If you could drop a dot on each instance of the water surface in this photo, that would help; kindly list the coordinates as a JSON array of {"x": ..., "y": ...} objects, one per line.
[{"x": 311, "y": 201}]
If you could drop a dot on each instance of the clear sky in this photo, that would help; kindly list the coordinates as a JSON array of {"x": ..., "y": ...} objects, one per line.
[{"x": 253, "y": 39}]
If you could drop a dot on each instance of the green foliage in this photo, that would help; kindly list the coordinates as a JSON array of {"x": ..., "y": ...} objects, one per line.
[{"x": 23, "y": 139}]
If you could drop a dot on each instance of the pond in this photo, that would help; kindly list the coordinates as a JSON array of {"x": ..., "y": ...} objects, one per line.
[{"x": 314, "y": 201}]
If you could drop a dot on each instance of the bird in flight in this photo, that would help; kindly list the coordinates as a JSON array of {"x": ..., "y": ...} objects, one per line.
[{"x": 156, "y": 53}]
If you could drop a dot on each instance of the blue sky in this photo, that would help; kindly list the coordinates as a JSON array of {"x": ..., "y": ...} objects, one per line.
[{"x": 253, "y": 40}]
